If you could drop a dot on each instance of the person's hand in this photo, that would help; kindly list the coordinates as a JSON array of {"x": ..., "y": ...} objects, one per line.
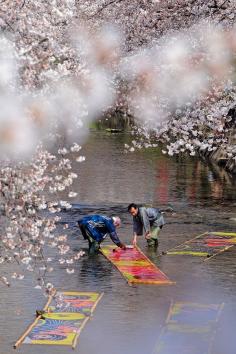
[
  {"x": 148, "y": 236},
  {"x": 122, "y": 246}
]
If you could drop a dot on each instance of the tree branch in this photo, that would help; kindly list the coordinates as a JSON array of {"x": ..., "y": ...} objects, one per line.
[
  {"x": 103, "y": 7},
  {"x": 219, "y": 7}
]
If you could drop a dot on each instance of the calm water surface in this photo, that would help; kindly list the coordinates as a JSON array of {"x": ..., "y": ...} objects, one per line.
[{"x": 128, "y": 320}]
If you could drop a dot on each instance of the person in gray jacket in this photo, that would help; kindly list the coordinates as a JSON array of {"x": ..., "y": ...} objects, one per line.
[{"x": 148, "y": 221}]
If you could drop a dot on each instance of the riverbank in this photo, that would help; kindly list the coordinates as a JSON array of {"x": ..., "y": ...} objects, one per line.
[{"x": 223, "y": 156}]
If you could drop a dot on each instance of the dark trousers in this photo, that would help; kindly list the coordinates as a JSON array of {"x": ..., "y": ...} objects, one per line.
[{"x": 93, "y": 244}]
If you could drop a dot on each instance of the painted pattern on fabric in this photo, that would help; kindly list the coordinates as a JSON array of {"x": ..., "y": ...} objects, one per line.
[
  {"x": 57, "y": 327},
  {"x": 135, "y": 266},
  {"x": 189, "y": 329},
  {"x": 207, "y": 245}
]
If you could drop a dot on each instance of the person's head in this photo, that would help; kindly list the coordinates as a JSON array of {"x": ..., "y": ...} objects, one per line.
[
  {"x": 116, "y": 221},
  {"x": 133, "y": 209}
]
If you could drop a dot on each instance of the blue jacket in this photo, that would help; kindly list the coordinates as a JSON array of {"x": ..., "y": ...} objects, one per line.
[
  {"x": 147, "y": 218},
  {"x": 99, "y": 226}
]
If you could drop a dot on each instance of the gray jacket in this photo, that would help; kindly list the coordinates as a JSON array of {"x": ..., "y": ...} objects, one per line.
[{"x": 147, "y": 218}]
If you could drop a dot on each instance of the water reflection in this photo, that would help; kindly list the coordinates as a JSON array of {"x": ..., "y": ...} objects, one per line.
[
  {"x": 95, "y": 270},
  {"x": 110, "y": 175},
  {"x": 191, "y": 181}
]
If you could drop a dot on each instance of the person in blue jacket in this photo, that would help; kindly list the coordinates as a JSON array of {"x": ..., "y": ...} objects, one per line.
[
  {"x": 147, "y": 220},
  {"x": 95, "y": 228}
]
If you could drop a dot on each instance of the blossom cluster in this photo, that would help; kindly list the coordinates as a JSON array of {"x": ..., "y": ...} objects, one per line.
[{"x": 30, "y": 207}]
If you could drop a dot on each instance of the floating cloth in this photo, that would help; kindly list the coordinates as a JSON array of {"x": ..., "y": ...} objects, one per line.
[
  {"x": 62, "y": 326},
  {"x": 135, "y": 266},
  {"x": 189, "y": 329},
  {"x": 207, "y": 245}
]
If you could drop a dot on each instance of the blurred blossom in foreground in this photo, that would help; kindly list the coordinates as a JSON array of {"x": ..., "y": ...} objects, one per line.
[
  {"x": 18, "y": 135},
  {"x": 79, "y": 102},
  {"x": 8, "y": 68},
  {"x": 69, "y": 102},
  {"x": 182, "y": 68},
  {"x": 101, "y": 48}
]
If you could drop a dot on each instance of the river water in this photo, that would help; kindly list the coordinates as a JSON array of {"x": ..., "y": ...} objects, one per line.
[{"x": 195, "y": 198}]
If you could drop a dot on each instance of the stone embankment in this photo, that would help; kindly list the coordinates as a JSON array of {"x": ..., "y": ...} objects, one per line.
[
  {"x": 222, "y": 156},
  {"x": 219, "y": 157}
]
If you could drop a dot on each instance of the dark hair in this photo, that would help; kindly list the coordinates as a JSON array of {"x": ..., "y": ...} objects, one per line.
[{"x": 132, "y": 205}]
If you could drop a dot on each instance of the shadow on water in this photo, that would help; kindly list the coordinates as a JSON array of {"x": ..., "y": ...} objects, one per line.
[{"x": 128, "y": 320}]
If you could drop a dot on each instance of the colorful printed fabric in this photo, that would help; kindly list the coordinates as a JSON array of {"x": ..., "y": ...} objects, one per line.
[
  {"x": 206, "y": 245},
  {"x": 63, "y": 325},
  {"x": 189, "y": 329},
  {"x": 135, "y": 266}
]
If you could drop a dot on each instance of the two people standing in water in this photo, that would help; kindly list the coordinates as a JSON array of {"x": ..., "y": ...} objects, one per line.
[{"x": 146, "y": 221}]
